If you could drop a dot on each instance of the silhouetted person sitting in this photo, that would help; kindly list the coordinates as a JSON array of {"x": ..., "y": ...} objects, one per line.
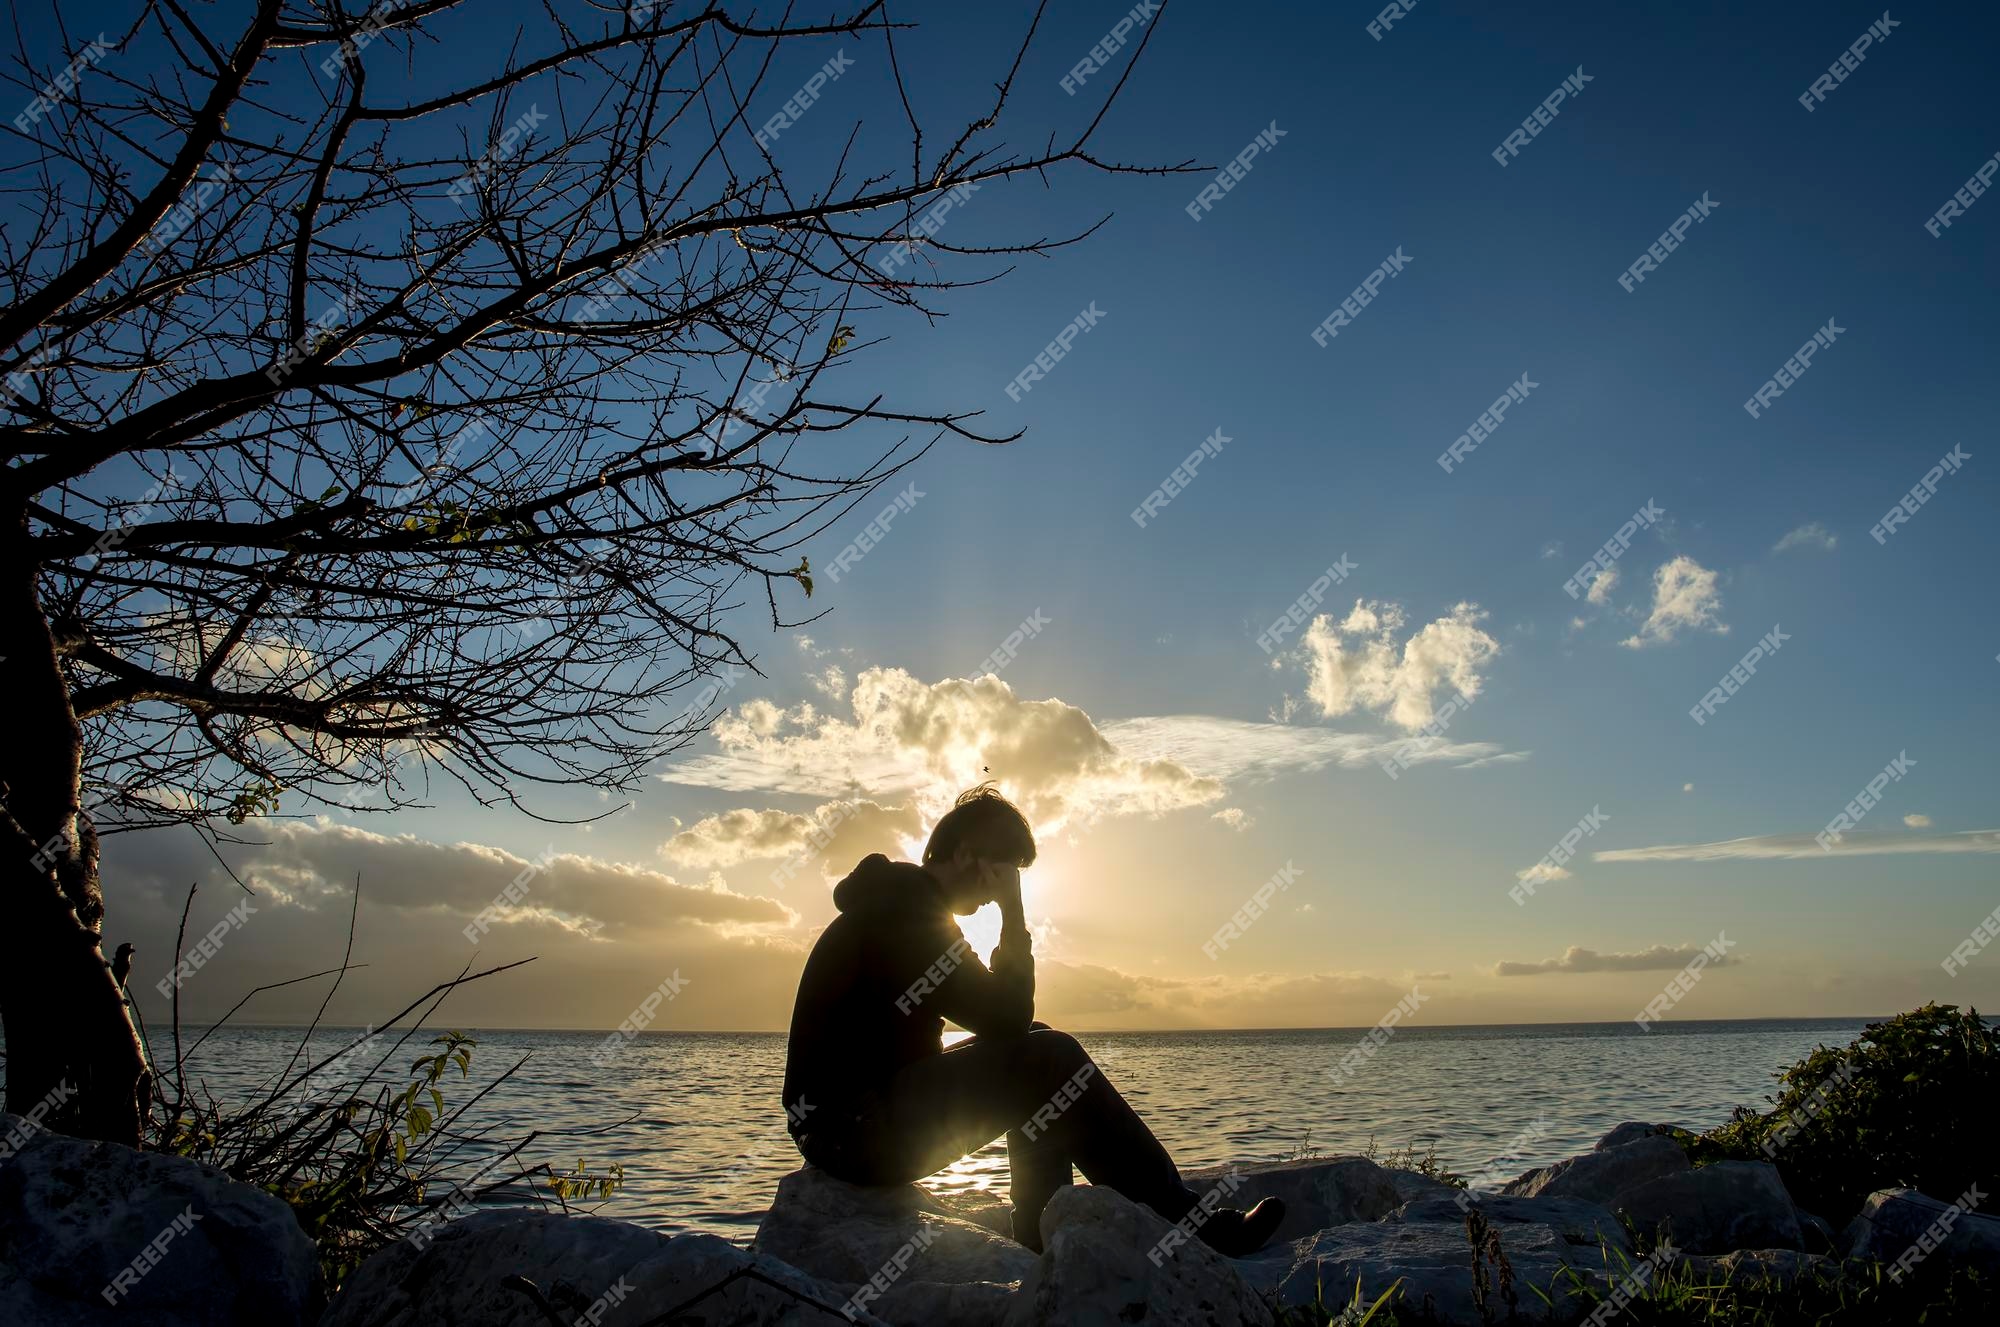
[{"x": 872, "y": 1096}]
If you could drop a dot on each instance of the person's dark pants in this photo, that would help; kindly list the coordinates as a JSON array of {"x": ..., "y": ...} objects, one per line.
[{"x": 1041, "y": 1089}]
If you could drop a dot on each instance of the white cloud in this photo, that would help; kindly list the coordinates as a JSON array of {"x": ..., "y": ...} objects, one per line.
[
  {"x": 1687, "y": 787},
  {"x": 1542, "y": 873},
  {"x": 1601, "y": 585},
  {"x": 1802, "y": 847},
  {"x": 1812, "y": 536},
  {"x": 1916, "y": 821},
  {"x": 1235, "y": 817},
  {"x": 830, "y": 682},
  {"x": 1685, "y": 598},
  {"x": 1357, "y": 663},
  {"x": 930, "y": 741},
  {"x": 857, "y": 828},
  {"x": 1658, "y": 958},
  {"x": 1552, "y": 549}
]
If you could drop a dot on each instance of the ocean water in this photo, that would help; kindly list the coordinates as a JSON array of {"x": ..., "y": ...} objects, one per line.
[{"x": 695, "y": 1120}]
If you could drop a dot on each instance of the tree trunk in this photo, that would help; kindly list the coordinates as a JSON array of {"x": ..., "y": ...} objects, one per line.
[{"x": 72, "y": 1048}]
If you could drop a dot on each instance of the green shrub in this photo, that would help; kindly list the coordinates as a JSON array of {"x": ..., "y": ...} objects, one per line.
[{"x": 1909, "y": 1103}]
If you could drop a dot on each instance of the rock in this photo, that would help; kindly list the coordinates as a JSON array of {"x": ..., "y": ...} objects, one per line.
[
  {"x": 628, "y": 1274},
  {"x": 1751, "y": 1266},
  {"x": 1096, "y": 1271},
  {"x": 1322, "y": 1192},
  {"x": 75, "y": 1215},
  {"x": 1425, "y": 1244},
  {"x": 1717, "y": 1209},
  {"x": 1630, "y": 1132},
  {"x": 1605, "y": 1174},
  {"x": 1892, "y": 1221},
  {"x": 847, "y": 1233}
]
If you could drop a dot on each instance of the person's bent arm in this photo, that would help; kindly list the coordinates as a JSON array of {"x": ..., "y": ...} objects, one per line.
[{"x": 999, "y": 1001}]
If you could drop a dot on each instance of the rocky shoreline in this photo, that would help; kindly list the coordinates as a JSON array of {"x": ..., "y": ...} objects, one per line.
[{"x": 94, "y": 1233}]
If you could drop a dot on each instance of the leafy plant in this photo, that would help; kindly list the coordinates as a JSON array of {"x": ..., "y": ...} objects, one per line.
[{"x": 1909, "y": 1103}]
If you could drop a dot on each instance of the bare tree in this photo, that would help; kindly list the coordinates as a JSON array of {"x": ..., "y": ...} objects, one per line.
[{"x": 372, "y": 418}]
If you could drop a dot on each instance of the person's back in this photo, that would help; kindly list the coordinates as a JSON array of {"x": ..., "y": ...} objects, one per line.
[{"x": 872, "y": 1097}]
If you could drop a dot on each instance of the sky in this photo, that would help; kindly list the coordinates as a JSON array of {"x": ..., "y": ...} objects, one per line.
[{"x": 1172, "y": 763}]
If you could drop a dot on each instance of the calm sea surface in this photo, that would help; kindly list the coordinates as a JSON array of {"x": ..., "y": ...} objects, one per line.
[{"x": 695, "y": 1121}]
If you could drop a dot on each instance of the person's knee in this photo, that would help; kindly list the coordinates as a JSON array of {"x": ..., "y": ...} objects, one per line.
[{"x": 1056, "y": 1052}]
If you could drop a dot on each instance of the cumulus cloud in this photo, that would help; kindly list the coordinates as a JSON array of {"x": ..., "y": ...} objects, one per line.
[
  {"x": 830, "y": 682},
  {"x": 1685, "y": 598},
  {"x": 1235, "y": 817},
  {"x": 1542, "y": 873},
  {"x": 305, "y": 862},
  {"x": 1916, "y": 821},
  {"x": 850, "y": 829},
  {"x": 1812, "y": 536},
  {"x": 1601, "y": 585},
  {"x": 903, "y": 736},
  {"x": 1659, "y": 958},
  {"x": 1357, "y": 663},
  {"x": 1804, "y": 847}
]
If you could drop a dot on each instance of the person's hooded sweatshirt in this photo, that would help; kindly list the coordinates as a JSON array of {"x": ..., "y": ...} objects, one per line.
[{"x": 883, "y": 977}]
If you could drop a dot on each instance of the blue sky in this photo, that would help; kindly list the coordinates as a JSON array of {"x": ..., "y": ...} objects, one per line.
[{"x": 1332, "y": 450}]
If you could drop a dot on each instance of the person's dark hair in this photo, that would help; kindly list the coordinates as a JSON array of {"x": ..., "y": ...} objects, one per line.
[{"x": 983, "y": 821}]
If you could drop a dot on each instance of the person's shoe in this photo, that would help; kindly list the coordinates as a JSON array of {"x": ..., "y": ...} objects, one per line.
[{"x": 1237, "y": 1234}]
